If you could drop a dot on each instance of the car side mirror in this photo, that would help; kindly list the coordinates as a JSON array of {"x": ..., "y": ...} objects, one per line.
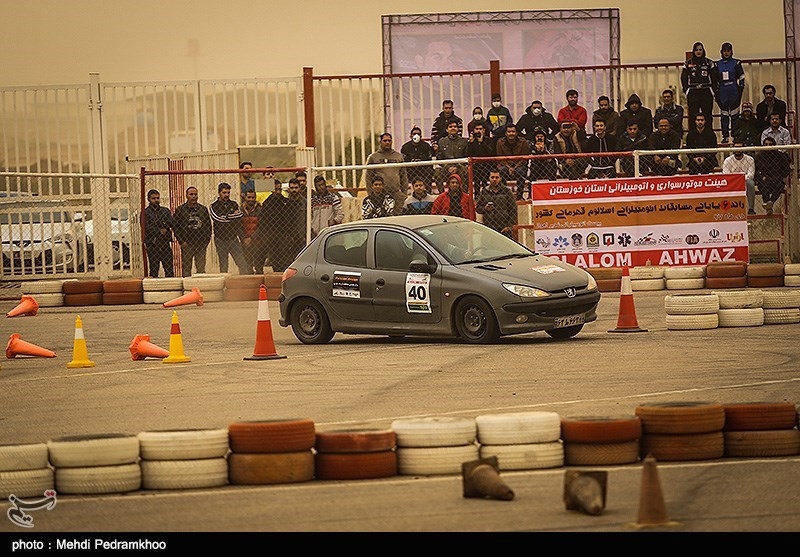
[{"x": 419, "y": 266}]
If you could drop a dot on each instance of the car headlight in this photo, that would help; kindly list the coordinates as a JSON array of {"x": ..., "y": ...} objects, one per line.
[
  {"x": 524, "y": 291},
  {"x": 592, "y": 283}
]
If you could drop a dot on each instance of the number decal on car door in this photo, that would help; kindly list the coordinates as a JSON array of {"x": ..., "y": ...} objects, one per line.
[{"x": 417, "y": 293}]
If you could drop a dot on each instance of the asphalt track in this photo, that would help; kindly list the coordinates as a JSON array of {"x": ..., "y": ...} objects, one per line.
[{"x": 369, "y": 381}]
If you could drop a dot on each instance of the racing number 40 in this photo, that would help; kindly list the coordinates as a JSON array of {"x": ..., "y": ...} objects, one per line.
[{"x": 417, "y": 292}]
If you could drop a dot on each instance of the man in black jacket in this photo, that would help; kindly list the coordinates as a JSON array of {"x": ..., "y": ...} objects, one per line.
[
  {"x": 415, "y": 150},
  {"x": 158, "y": 226},
  {"x": 665, "y": 137},
  {"x": 193, "y": 232},
  {"x": 699, "y": 137},
  {"x": 536, "y": 117},
  {"x": 227, "y": 219}
]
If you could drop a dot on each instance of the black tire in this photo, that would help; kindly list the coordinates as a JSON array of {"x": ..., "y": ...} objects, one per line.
[
  {"x": 310, "y": 323},
  {"x": 475, "y": 321},
  {"x": 565, "y": 332}
]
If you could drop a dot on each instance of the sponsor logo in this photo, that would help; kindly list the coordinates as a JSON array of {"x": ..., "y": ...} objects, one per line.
[
  {"x": 735, "y": 236},
  {"x": 624, "y": 239},
  {"x": 692, "y": 239},
  {"x": 713, "y": 237},
  {"x": 560, "y": 242},
  {"x": 666, "y": 239},
  {"x": 543, "y": 242},
  {"x": 577, "y": 240},
  {"x": 593, "y": 240},
  {"x": 608, "y": 239},
  {"x": 646, "y": 240}
]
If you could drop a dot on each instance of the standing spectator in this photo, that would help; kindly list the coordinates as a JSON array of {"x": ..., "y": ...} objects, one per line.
[
  {"x": 451, "y": 146},
  {"x": 601, "y": 166},
  {"x": 640, "y": 114},
  {"x": 378, "y": 203},
  {"x": 415, "y": 150},
  {"x": 769, "y": 105},
  {"x": 614, "y": 124},
  {"x": 776, "y": 131},
  {"x": 193, "y": 233},
  {"x": 158, "y": 227},
  {"x": 326, "y": 207},
  {"x": 772, "y": 169},
  {"x": 439, "y": 129},
  {"x": 731, "y": 87},
  {"x": 246, "y": 182},
  {"x": 536, "y": 116},
  {"x": 454, "y": 201},
  {"x": 699, "y": 137},
  {"x": 499, "y": 117},
  {"x": 497, "y": 205},
  {"x": 420, "y": 202},
  {"x": 741, "y": 163},
  {"x": 632, "y": 140},
  {"x": 575, "y": 113},
  {"x": 477, "y": 118},
  {"x": 480, "y": 145},
  {"x": 251, "y": 247},
  {"x": 281, "y": 226},
  {"x": 226, "y": 217},
  {"x": 270, "y": 223},
  {"x": 567, "y": 142},
  {"x": 544, "y": 166},
  {"x": 747, "y": 130},
  {"x": 700, "y": 83},
  {"x": 514, "y": 169},
  {"x": 670, "y": 110},
  {"x": 395, "y": 179},
  {"x": 302, "y": 179},
  {"x": 665, "y": 137}
]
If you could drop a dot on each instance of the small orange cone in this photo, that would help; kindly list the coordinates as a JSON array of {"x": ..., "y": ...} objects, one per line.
[
  {"x": 176, "y": 355},
  {"x": 18, "y": 347},
  {"x": 652, "y": 510},
  {"x": 265, "y": 345},
  {"x": 27, "y": 306},
  {"x": 141, "y": 348},
  {"x": 626, "y": 320},
  {"x": 481, "y": 479},
  {"x": 193, "y": 297},
  {"x": 80, "y": 355}
]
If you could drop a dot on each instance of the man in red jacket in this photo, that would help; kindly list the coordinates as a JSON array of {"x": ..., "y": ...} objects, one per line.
[
  {"x": 575, "y": 113},
  {"x": 454, "y": 201}
]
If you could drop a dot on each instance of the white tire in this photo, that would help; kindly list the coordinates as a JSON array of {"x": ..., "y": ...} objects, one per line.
[
  {"x": 533, "y": 456},
  {"x": 742, "y": 317},
  {"x": 686, "y": 284},
  {"x": 160, "y": 296},
  {"x": 42, "y": 287},
  {"x": 791, "y": 269},
  {"x": 648, "y": 284},
  {"x": 646, "y": 272},
  {"x": 692, "y": 322},
  {"x": 204, "y": 283},
  {"x": 185, "y": 444},
  {"x": 26, "y": 483},
  {"x": 435, "y": 431},
  {"x": 93, "y": 480},
  {"x": 518, "y": 428},
  {"x": 781, "y": 299},
  {"x": 781, "y": 316},
  {"x": 211, "y": 295},
  {"x": 740, "y": 299},
  {"x": 49, "y": 300},
  {"x": 162, "y": 284},
  {"x": 23, "y": 457},
  {"x": 684, "y": 272},
  {"x": 791, "y": 280},
  {"x": 691, "y": 304},
  {"x": 93, "y": 450},
  {"x": 184, "y": 474},
  {"x": 430, "y": 461}
]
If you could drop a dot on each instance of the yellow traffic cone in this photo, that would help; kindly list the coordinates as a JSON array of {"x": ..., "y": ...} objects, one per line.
[
  {"x": 176, "y": 355},
  {"x": 80, "y": 356}
]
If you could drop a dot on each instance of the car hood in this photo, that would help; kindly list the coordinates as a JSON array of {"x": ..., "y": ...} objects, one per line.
[
  {"x": 15, "y": 233},
  {"x": 543, "y": 272}
]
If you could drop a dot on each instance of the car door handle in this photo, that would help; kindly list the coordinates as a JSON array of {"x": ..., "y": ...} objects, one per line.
[
  {"x": 325, "y": 278},
  {"x": 380, "y": 282}
]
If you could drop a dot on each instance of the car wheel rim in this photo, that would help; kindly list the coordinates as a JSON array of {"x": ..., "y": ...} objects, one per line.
[
  {"x": 309, "y": 321},
  {"x": 474, "y": 321}
]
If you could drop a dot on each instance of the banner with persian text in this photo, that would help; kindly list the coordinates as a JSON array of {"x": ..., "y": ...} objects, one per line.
[{"x": 656, "y": 220}]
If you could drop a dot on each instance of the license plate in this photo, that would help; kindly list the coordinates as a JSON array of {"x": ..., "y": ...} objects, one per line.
[{"x": 569, "y": 321}]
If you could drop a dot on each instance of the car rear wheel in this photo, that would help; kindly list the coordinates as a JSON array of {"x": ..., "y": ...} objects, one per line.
[
  {"x": 310, "y": 323},
  {"x": 565, "y": 332},
  {"x": 475, "y": 321}
]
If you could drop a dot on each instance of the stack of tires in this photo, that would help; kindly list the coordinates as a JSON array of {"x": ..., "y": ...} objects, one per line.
[
  {"x": 122, "y": 292},
  {"x": 47, "y": 293},
  {"x": 273, "y": 283},
  {"x": 791, "y": 274},
  {"x": 212, "y": 286},
  {"x": 740, "y": 308},
  {"x": 521, "y": 440},
  {"x": 434, "y": 445},
  {"x": 355, "y": 454},
  {"x": 161, "y": 289},
  {"x": 83, "y": 292},
  {"x": 600, "y": 441},
  {"x": 647, "y": 277},
  {"x": 184, "y": 459},
  {"x": 761, "y": 429},
  {"x": 685, "y": 278},
  {"x": 726, "y": 274},
  {"x": 609, "y": 279},
  {"x": 765, "y": 275},
  {"x": 781, "y": 307},
  {"x": 692, "y": 311},
  {"x": 25, "y": 470},
  {"x": 271, "y": 451},
  {"x": 95, "y": 464},
  {"x": 241, "y": 288},
  {"x": 677, "y": 431}
]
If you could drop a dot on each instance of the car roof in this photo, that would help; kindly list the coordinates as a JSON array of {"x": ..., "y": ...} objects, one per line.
[{"x": 411, "y": 222}]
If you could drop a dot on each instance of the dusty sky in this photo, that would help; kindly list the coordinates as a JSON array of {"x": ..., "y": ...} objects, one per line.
[{"x": 62, "y": 41}]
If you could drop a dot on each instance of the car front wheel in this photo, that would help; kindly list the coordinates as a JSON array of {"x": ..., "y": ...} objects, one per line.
[
  {"x": 310, "y": 323},
  {"x": 565, "y": 332},
  {"x": 475, "y": 321}
]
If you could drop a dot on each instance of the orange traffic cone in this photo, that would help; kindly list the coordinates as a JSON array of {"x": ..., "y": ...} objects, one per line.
[
  {"x": 265, "y": 345},
  {"x": 141, "y": 348},
  {"x": 193, "y": 297},
  {"x": 27, "y": 306},
  {"x": 652, "y": 510},
  {"x": 18, "y": 347},
  {"x": 80, "y": 355},
  {"x": 626, "y": 321},
  {"x": 176, "y": 355}
]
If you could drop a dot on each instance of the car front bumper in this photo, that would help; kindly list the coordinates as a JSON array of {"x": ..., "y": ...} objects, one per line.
[{"x": 540, "y": 315}]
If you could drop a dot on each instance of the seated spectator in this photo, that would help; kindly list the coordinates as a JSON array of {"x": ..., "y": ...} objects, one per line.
[
  {"x": 671, "y": 111},
  {"x": 700, "y": 137},
  {"x": 772, "y": 169},
  {"x": 776, "y": 131},
  {"x": 513, "y": 146},
  {"x": 747, "y": 129},
  {"x": 603, "y": 166},
  {"x": 614, "y": 124},
  {"x": 541, "y": 168},
  {"x": 420, "y": 202},
  {"x": 477, "y": 118},
  {"x": 575, "y": 113},
  {"x": 499, "y": 117},
  {"x": 632, "y": 140},
  {"x": 454, "y": 201},
  {"x": 536, "y": 116},
  {"x": 565, "y": 142},
  {"x": 378, "y": 203},
  {"x": 740, "y": 162},
  {"x": 665, "y": 137},
  {"x": 641, "y": 115}
]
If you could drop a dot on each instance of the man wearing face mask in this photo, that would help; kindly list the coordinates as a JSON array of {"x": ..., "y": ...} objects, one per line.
[
  {"x": 499, "y": 117},
  {"x": 417, "y": 149},
  {"x": 536, "y": 117}
]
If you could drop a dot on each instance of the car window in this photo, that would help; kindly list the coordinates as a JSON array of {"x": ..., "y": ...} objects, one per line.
[
  {"x": 395, "y": 251},
  {"x": 463, "y": 241},
  {"x": 347, "y": 248}
]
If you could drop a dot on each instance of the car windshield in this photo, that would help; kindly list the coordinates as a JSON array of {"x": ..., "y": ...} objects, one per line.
[{"x": 471, "y": 242}]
